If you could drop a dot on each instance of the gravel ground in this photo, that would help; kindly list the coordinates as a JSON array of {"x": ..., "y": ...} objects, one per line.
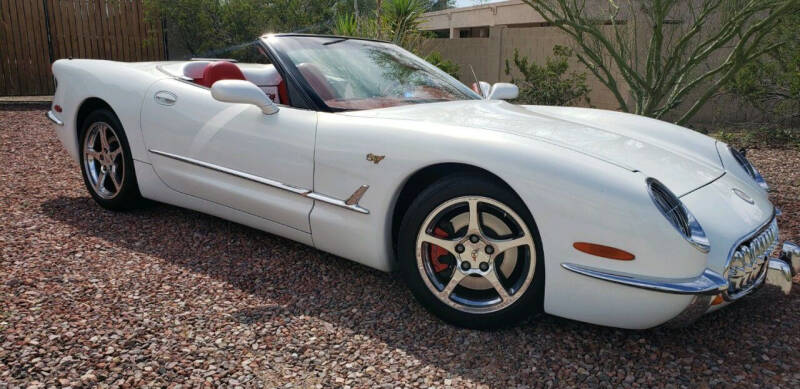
[{"x": 167, "y": 296}]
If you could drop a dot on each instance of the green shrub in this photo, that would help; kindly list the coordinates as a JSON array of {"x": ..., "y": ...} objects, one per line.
[
  {"x": 207, "y": 27},
  {"x": 771, "y": 83},
  {"x": 548, "y": 84},
  {"x": 447, "y": 65}
]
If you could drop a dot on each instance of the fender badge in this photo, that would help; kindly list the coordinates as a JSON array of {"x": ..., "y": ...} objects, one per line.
[
  {"x": 743, "y": 196},
  {"x": 375, "y": 158}
]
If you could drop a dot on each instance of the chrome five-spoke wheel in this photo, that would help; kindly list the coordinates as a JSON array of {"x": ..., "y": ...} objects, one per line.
[
  {"x": 104, "y": 160},
  {"x": 475, "y": 254},
  {"x": 107, "y": 163}
]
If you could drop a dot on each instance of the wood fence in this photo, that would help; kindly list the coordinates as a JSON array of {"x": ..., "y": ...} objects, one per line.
[{"x": 34, "y": 33}]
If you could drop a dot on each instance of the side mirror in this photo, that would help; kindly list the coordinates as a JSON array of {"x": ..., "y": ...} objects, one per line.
[
  {"x": 503, "y": 91},
  {"x": 485, "y": 88},
  {"x": 243, "y": 92}
]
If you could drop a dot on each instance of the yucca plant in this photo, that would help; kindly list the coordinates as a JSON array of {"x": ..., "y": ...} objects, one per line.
[
  {"x": 402, "y": 20},
  {"x": 345, "y": 25}
]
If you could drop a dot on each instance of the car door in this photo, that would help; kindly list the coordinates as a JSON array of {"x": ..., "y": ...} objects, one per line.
[{"x": 231, "y": 154}]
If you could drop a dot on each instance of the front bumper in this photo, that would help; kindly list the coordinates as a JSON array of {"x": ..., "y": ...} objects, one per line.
[
  {"x": 778, "y": 272},
  {"x": 710, "y": 285}
]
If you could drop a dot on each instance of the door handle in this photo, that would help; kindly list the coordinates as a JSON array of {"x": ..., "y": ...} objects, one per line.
[{"x": 165, "y": 98}]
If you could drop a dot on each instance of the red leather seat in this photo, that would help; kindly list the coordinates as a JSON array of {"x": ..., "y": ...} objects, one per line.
[
  {"x": 220, "y": 70},
  {"x": 283, "y": 93},
  {"x": 317, "y": 80}
]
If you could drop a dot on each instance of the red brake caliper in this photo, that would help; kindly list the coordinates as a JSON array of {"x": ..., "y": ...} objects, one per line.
[{"x": 437, "y": 252}]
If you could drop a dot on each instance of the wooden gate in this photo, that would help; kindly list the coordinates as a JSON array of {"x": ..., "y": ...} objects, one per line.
[{"x": 34, "y": 33}]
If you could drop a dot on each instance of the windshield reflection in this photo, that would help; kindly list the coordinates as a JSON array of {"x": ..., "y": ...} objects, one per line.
[{"x": 354, "y": 74}]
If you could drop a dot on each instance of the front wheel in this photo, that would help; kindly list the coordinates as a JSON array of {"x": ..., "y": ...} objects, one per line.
[{"x": 469, "y": 251}]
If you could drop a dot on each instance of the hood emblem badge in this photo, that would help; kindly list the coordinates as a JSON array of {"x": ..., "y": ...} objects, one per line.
[
  {"x": 376, "y": 159},
  {"x": 743, "y": 196}
]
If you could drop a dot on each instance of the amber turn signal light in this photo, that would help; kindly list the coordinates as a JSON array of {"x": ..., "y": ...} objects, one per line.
[
  {"x": 717, "y": 300},
  {"x": 604, "y": 251}
]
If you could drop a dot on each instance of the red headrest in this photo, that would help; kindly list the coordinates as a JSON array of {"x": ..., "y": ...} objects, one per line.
[
  {"x": 220, "y": 70},
  {"x": 317, "y": 80}
]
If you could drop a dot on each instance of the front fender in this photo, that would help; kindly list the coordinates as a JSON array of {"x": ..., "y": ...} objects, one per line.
[{"x": 573, "y": 197}]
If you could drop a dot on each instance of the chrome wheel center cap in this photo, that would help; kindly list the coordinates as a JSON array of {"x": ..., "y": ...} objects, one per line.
[
  {"x": 475, "y": 252},
  {"x": 475, "y": 255}
]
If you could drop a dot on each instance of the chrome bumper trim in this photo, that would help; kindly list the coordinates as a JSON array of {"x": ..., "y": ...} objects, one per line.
[
  {"x": 708, "y": 283},
  {"x": 52, "y": 116},
  {"x": 780, "y": 270},
  {"x": 779, "y": 274},
  {"x": 790, "y": 253}
]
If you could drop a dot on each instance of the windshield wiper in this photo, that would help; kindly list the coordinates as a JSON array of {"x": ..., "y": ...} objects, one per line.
[{"x": 335, "y": 42}]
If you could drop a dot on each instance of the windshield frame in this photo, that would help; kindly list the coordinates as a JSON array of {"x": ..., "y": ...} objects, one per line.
[{"x": 271, "y": 43}]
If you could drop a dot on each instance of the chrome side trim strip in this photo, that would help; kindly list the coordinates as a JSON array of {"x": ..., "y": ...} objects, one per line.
[
  {"x": 246, "y": 176},
  {"x": 337, "y": 202},
  {"x": 272, "y": 183},
  {"x": 710, "y": 282},
  {"x": 52, "y": 116}
]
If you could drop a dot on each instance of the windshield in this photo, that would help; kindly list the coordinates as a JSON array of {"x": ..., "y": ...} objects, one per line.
[{"x": 353, "y": 74}]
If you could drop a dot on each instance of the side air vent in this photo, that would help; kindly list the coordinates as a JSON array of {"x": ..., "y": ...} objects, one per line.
[{"x": 677, "y": 214}]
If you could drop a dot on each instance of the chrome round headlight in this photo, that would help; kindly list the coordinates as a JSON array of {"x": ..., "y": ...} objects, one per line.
[
  {"x": 678, "y": 215},
  {"x": 749, "y": 168}
]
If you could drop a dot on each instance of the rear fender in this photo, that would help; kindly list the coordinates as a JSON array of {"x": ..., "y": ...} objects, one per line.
[{"x": 120, "y": 86}]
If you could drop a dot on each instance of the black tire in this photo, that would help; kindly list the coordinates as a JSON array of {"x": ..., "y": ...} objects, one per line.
[
  {"x": 452, "y": 188},
  {"x": 127, "y": 196}
]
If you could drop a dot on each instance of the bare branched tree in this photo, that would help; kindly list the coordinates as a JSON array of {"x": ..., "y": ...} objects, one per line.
[{"x": 666, "y": 51}]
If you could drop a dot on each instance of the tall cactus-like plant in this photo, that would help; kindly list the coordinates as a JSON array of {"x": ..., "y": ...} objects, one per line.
[
  {"x": 666, "y": 52},
  {"x": 403, "y": 18}
]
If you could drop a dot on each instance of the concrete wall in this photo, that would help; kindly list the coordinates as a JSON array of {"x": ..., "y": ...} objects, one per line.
[
  {"x": 505, "y": 13},
  {"x": 488, "y": 55},
  {"x": 465, "y": 52},
  {"x": 514, "y": 24}
]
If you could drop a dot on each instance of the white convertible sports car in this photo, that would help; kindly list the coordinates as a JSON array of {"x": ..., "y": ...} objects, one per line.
[{"x": 490, "y": 210}]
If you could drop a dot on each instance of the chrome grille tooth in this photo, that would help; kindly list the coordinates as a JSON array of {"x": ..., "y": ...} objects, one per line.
[{"x": 748, "y": 261}]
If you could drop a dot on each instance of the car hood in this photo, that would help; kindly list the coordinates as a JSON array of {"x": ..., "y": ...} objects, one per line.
[{"x": 680, "y": 158}]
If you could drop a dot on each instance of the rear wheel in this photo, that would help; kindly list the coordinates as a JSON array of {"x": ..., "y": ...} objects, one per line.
[
  {"x": 470, "y": 253},
  {"x": 107, "y": 164}
]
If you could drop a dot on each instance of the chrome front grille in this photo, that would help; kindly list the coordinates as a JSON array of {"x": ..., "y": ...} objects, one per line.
[{"x": 748, "y": 263}]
